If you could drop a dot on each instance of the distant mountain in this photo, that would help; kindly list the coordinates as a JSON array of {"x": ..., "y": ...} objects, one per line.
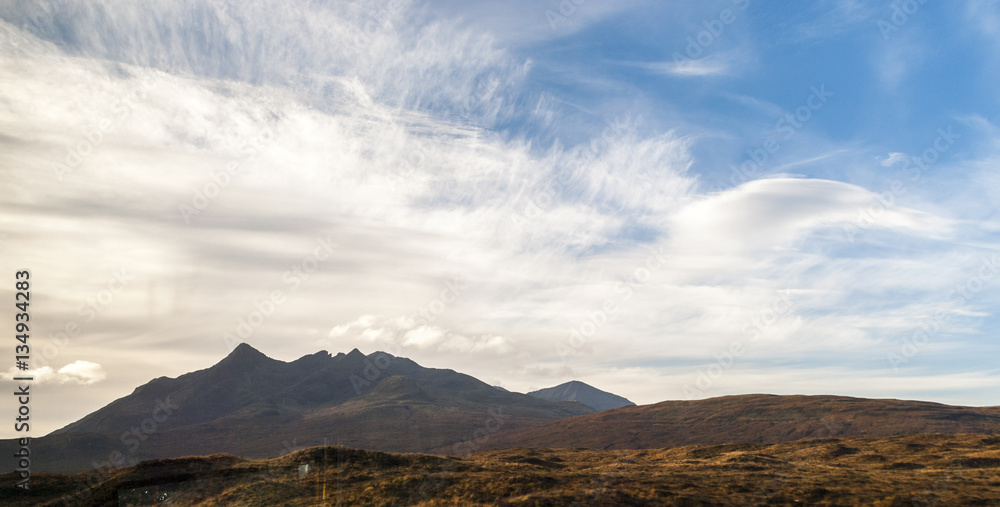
[
  {"x": 590, "y": 396},
  {"x": 754, "y": 418},
  {"x": 254, "y": 406}
]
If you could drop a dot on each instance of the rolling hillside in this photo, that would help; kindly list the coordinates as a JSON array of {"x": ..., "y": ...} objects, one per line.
[{"x": 756, "y": 418}]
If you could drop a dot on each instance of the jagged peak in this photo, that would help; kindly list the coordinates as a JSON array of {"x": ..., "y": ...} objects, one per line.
[
  {"x": 245, "y": 355},
  {"x": 355, "y": 354},
  {"x": 312, "y": 360},
  {"x": 322, "y": 353}
]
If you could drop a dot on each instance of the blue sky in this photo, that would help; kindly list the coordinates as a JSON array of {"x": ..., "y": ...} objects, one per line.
[{"x": 524, "y": 194}]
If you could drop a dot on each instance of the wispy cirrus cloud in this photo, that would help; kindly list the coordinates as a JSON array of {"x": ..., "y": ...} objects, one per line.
[{"x": 716, "y": 65}]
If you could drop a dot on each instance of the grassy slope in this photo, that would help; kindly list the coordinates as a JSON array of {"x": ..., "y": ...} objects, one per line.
[
  {"x": 750, "y": 418},
  {"x": 907, "y": 470}
]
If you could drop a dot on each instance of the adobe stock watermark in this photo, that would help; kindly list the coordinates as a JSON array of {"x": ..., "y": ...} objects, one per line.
[
  {"x": 415, "y": 154},
  {"x": 219, "y": 179},
  {"x": 130, "y": 439},
  {"x": 92, "y": 306},
  {"x": 953, "y": 476},
  {"x": 542, "y": 197},
  {"x": 928, "y": 328},
  {"x": 831, "y": 428},
  {"x": 596, "y": 319},
  {"x": 15, "y": 38},
  {"x": 484, "y": 90},
  {"x": 413, "y": 158},
  {"x": 94, "y": 135},
  {"x": 563, "y": 11},
  {"x": 481, "y": 435},
  {"x": 41, "y": 16},
  {"x": 433, "y": 482},
  {"x": 452, "y": 290},
  {"x": 900, "y": 12},
  {"x": 784, "y": 130},
  {"x": 426, "y": 315},
  {"x": 700, "y": 42},
  {"x": 599, "y": 490},
  {"x": 379, "y": 19},
  {"x": 373, "y": 369},
  {"x": 293, "y": 278},
  {"x": 780, "y": 306},
  {"x": 914, "y": 167},
  {"x": 141, "y": 432}
]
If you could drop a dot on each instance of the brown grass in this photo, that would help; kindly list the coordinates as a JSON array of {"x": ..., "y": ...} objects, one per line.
[{"x": 927, "y": 469}]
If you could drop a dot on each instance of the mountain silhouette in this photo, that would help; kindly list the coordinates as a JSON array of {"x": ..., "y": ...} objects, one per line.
[
  {"x": 590, "y": 396},
  {"x": 251, "y": 405}
]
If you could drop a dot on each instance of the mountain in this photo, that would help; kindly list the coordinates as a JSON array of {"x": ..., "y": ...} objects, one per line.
[
  {"x": 753, "y": 418},
  {"x": 254, "y": 406},
  {"x": 590, "y": 396}
]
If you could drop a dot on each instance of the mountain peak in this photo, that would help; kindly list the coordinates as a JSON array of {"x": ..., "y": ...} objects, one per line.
[
  {"x": 244, "y": 348},
  {"x": 355, "y": 355},
  {"x": 245, "y": 356},
  {"x": 574, "y": 390}
]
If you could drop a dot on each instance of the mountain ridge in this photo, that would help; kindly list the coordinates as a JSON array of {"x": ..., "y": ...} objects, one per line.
[{"x": 251, "y": 405}]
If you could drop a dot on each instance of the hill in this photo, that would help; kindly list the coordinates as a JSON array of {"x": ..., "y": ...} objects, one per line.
[
  {"x": 590, "y": 396},
  {"x": 928, "y": 469},
  {"x": 756, "y": 418},
  {"x": 254, "y": 406}
]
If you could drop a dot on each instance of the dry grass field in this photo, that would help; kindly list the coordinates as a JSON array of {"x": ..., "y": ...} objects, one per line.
[{"x": 927, "y": 469}]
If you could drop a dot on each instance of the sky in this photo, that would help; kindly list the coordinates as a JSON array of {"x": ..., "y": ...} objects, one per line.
[{"x": 666, "y": 200}]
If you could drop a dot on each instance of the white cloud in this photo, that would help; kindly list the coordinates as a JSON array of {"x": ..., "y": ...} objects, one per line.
[
  {"x": 82, "y": 372},
  {"x": 767, "y": 214},
  {"x": 407, "y": 334},
  {"x": 43, "y": 374},
  {"x": 717, "y": 64},
  {"x": 423, "y": 336},
  {"x": 524, "y": 22},
  {"x": 77, "y": 372},
  {"x": 893, "y": 159}
]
